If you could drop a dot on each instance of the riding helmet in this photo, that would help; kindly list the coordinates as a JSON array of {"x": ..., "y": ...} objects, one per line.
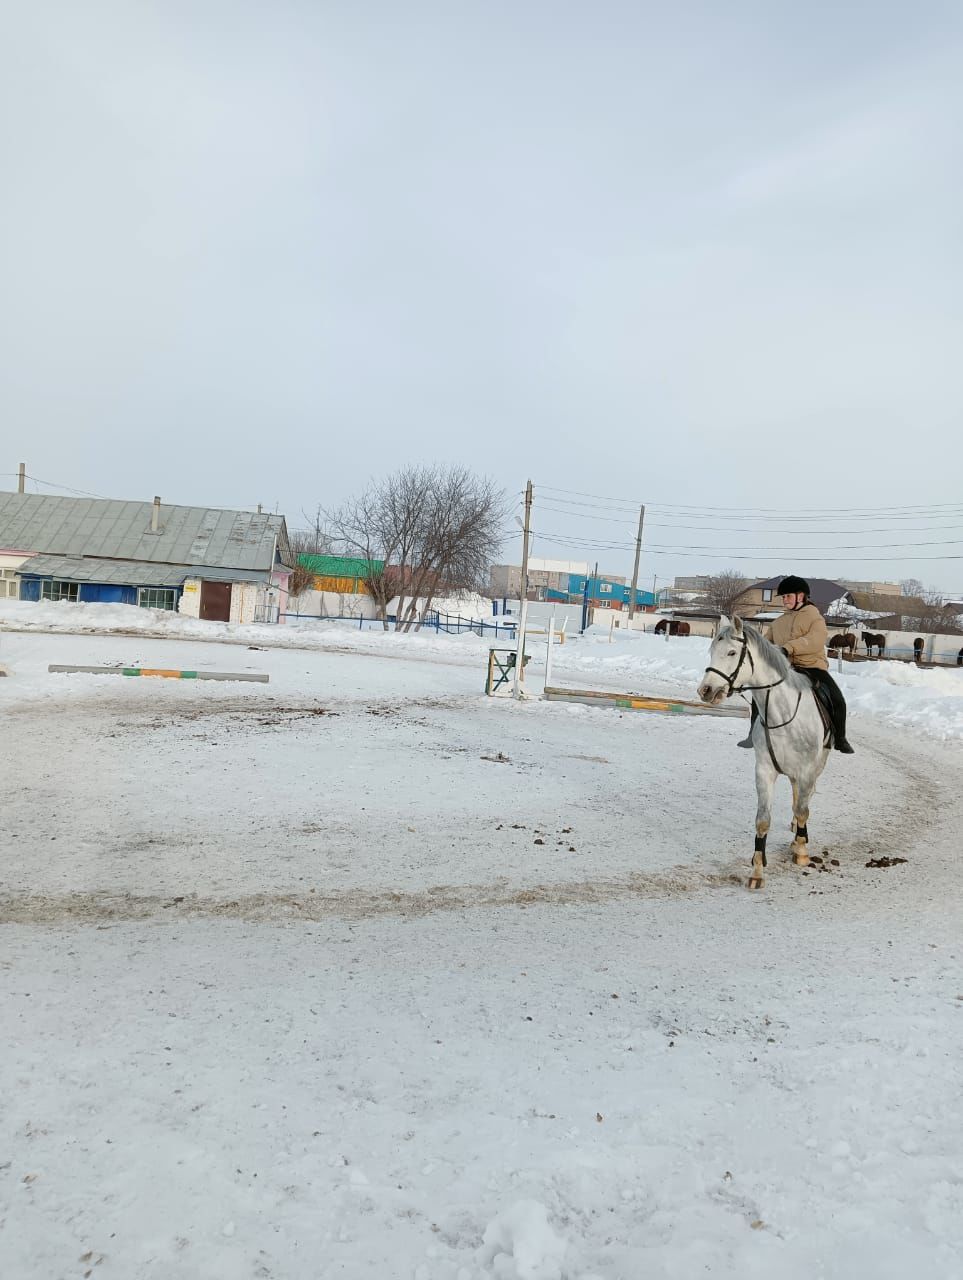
[{"x": 791, "y": 585}]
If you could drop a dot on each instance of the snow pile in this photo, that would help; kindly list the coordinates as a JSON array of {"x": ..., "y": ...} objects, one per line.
[
  {"x": 929, "y": 700},
  {"x": 841, "y": 608},
  {"x": 520, "y": 1244},
  {"x": 468, "y": 604}
]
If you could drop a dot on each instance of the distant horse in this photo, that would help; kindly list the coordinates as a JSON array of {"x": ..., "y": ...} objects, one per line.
[
  {"x": 789, "y": 735},
  {"x": 671, "y": 626},
  {"x": 918, "y": 649},
  {"x": 847, "y": 641},
  {"x": 874, "y": 641}
]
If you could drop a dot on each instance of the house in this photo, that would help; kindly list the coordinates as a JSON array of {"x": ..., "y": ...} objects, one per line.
[
  {"x": 604, "y": 591},
  {"x": 543, "y": 576},
  {"x": 566, "y": 582},
  {"x": 345, "y": 575},
  {"x": 337, "y": 588},
  {"x": 761, "y": 598},
  {"x": 220, "y": 565}
]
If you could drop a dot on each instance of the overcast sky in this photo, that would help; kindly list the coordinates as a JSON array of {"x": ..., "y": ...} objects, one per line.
[{"x": 693, "y": 254}]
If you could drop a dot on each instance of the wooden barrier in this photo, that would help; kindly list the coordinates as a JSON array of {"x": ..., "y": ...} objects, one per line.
[
  {"x": 162, "y": 672},
  {"x": 642, "y": 702},
  {"x": 501, "y": 670}
]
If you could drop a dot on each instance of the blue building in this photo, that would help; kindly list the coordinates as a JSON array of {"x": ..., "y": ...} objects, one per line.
[{"x": 607, "y": 593}]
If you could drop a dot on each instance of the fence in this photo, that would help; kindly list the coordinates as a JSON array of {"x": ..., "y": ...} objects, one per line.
[
  {"x": 451, "y": 624},
  {"x": 454, "y": 624},
  {"x": 360, "y": 623}
]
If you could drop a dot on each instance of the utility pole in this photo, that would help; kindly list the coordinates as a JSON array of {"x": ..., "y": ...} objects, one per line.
[
  {"x": 635, "y": 571},
  {"x": 21, "y": 478},
  {"x": 523, "y": 592}
]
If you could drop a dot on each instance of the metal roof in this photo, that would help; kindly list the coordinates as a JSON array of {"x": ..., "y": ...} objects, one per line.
[
  {"x": 130, "y": 573},
  {"x": 340, "y": 566},
  {"x": 115, "y": 530}
]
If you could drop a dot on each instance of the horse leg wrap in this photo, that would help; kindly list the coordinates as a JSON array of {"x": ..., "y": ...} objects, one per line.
[{"x": 761, "y": 848}]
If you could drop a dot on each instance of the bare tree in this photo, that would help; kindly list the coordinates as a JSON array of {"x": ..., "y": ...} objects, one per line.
[
  {"x": 726, "y": 592},
  {"x": 381, "y": 527},
  {"x": 926, "y": 611},
  {"x": 423, "y": 529},
  {"x": 312, "y": 539}
]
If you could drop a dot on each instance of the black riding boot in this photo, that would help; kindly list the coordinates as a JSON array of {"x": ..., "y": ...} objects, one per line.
[
  {"x": 825, "y": 681},
  {"x": 747, "y": 740},
  {"x": 839, "y": 720}
]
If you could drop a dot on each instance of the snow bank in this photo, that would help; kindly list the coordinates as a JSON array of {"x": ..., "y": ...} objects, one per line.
[{"x": 314, "y": 634}]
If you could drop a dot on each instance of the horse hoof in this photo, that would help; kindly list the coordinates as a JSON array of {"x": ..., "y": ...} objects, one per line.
[
  {"x": 755, "y": 882},
  {"x": 800, "y": 859}
]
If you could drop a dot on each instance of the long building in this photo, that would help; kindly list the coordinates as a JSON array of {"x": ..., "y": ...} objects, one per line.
[{"x": 205, "y": 562}]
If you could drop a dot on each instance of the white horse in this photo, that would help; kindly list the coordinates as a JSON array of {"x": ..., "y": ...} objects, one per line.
[{"x": 789, "y": 736}]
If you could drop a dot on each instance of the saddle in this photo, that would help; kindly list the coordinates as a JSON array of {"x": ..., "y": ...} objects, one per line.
[{"x": 825, "y": 708}]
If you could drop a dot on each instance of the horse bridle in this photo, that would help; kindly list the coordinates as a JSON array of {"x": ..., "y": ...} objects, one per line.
[{"x": 731, "y": 679}]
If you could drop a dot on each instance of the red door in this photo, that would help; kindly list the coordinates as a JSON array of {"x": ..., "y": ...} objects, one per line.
[{"x": 216, "y": 601}]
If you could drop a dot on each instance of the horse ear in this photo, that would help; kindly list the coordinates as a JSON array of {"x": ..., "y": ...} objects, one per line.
[
  {"x": 737, "y": 626},
  {"x": 723, "y": 622}
]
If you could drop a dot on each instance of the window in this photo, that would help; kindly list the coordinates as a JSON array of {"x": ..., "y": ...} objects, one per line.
[
  {"x": 766, "y": 594},
  {"x": 605, "y": 588},
  {"x": 52, "y": 589},
  {"x": 9, "y": 587},
  {"x": 157, "y": 598}
]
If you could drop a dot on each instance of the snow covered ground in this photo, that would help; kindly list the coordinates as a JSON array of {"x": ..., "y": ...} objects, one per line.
[{"x": 360, "y": 973}]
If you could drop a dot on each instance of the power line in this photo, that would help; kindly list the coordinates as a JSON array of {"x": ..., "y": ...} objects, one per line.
[
  {"x": 51, "y": 485},
  {"x": 808, "y": 512},
  {"x": 854, "y": 546},
  {"x": 765, "y": 550},
  {"x": 582, "y": 515},
  {"x": 829, "y": 533},
  {"x": 694, "y": 528},
  {"x": 762, "y": 521},
  {"x": 761, "y": 552}
]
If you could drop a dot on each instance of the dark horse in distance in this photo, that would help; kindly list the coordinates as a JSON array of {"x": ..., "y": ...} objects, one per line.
[{"x": 874, "y": 641}]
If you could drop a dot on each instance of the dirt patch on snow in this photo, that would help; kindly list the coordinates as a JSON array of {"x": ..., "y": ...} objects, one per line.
[{"x": 105, "y": 908}]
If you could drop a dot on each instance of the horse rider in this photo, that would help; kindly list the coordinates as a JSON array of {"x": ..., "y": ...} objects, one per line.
[{"x": 801, "y": 634}]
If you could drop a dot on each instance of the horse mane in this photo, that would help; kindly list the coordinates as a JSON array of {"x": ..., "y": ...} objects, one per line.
[{"x": 772, "y": 654}]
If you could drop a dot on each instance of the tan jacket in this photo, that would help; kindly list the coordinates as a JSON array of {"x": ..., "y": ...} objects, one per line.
[{"x": 803, "y": 634}]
